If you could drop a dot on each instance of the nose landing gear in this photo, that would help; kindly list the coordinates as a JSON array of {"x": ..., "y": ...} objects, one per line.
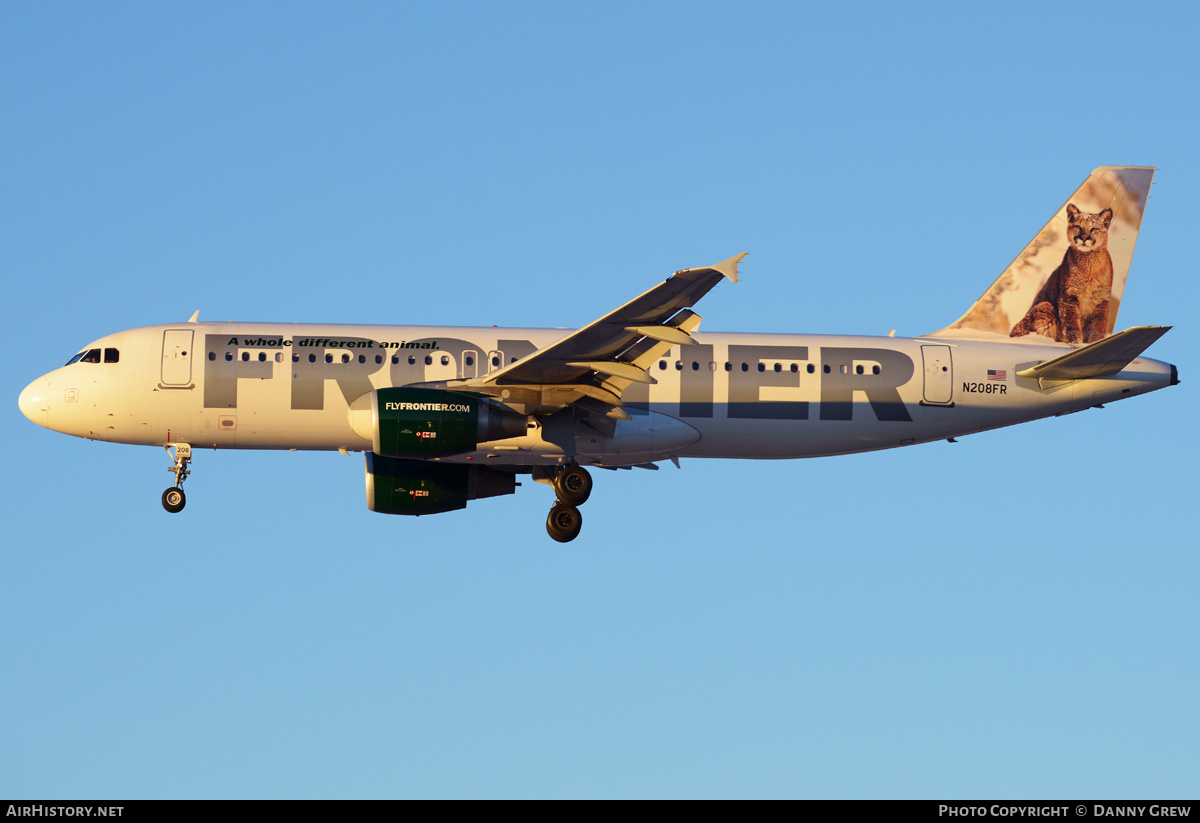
[
  {"x": 173, "y": 499},
  {"x": 572, "y": 487}
]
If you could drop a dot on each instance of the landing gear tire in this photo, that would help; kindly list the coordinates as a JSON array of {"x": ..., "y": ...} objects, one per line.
[
  {"x": 564, "y": 522},
  {"x": 173, "y": 500},
  {"x": 573, "y": 485}
]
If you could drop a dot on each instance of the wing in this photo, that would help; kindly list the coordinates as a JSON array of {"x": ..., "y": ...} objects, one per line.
[{"x": 593, "y": 366}]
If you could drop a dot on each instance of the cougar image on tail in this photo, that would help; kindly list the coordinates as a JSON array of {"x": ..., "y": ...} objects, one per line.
[{"x": 1072, "y": 307}]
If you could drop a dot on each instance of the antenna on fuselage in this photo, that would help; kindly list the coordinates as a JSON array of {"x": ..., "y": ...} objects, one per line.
[{"x": 195, "y": 318}]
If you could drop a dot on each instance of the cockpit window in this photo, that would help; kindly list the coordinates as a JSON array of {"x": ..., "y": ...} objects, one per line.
[
  {"x": 90, "y": 356},
  {"x": 75, "y": 359},
  {"x": 112, "y": 356}
]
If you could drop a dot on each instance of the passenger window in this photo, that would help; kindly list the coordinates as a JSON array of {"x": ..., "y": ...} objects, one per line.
[
  {"x": 345, "y": 357},
  {"x": 379, "y": 360},
  {"x": 811, "y": 368},
  {"x": 329, "y": 358},
  {"x": 295, "y": 358},
  {"x": 695, "y": 365},
  {"x": 662, "y": 365},
  {"x": 778, "y": 368},
  {"x": 212, "y": 355},
  {"x": 875, "y": 370},
  {"x": 278, "y": 357},
  {"x": 312, "y": 358},
  {"x": 228, "y": 356},
  {"x": 262, "y": 357},
  {"x": 470, "y": 361},
  {"x": 795, "y": 369},
  {"x": 245, "y": 357},
  {"x": 745, "y": 367},
  {"x": 678, "y": 365},
  {"x": 858, "y": 369},
  {"x": 428, "y": 360},
  {"x": 112, "y": 356},
  {"x": 825, "y": 368},
  {"x": 495, "y": 362},
  {"x": 762, "y": 366},
  {"x": 445, "y": 360}
]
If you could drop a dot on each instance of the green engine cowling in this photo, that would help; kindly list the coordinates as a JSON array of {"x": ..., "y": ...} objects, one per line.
[
  {"x": 429, "y": 423},
  {"x": 415, "y": 487}
]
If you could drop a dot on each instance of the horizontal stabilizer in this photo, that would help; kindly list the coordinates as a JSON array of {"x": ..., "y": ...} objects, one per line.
[{"x": 1099, "y": 359}]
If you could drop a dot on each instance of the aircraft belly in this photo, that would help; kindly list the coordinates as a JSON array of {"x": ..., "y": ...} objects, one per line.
[
  {"x": 647, "y": 437},
  {"x": 783, "y": 439}
]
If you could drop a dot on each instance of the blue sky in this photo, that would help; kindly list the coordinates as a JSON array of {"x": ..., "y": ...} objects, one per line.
[{"x": 1010, "y": 616}]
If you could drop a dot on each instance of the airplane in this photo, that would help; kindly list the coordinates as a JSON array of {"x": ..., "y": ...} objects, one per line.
[{"x": 446, "y": 415}]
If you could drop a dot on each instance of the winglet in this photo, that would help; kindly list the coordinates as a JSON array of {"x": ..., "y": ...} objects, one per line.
[{"x": 729, "y": 267}]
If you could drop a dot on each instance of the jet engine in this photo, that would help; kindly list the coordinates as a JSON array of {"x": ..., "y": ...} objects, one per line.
[
  {"x": 416, "y": 487},
  {"x": 428, "y": 423}
]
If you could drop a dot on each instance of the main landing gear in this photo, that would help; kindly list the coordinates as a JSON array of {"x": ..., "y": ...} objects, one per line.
[
  {"x": 572, "y": 486},
  {"x": 173, "y": 499}
]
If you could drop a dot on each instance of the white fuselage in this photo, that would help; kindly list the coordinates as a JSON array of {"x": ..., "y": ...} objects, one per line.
[{"x": 290, "y": 386}]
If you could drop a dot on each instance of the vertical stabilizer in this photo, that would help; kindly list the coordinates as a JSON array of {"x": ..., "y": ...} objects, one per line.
[{"x": 1067, "y": 283}]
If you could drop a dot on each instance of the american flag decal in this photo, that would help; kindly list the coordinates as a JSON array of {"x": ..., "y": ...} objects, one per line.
[{"x": 997, "y": 374}]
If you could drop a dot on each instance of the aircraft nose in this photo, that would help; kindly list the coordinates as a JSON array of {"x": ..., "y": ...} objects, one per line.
[{"x": 34, "y": 402}]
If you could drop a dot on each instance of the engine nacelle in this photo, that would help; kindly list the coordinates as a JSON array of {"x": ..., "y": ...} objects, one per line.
[
  {"x": 416, "y": 487},
  {"x": 426, "y": 423}
]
